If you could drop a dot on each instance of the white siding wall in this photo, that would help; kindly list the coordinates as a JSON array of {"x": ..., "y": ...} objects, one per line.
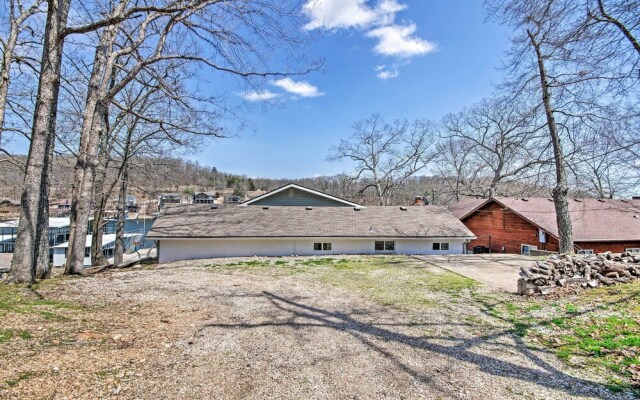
[
  {"x": 187, "y": 249},
  {"x": 60, "y": 257}
]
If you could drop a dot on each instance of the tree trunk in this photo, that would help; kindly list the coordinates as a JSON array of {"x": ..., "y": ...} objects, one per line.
[
  {"x": 97, "y": 227},
  {"x": 31, "y": 257},
  {"x": 90, "y": 135},
  {"x": 561, "y": 191},
  {"x": 118, "y": 256},
  {"x": 5, "y": 69},
  {"x": 101, "y": 196}
]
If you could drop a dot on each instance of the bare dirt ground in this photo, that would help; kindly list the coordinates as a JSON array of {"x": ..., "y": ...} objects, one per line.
[{"x": 191, "y": 330}]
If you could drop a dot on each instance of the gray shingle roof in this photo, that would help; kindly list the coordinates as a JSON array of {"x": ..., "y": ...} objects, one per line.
[{"x": 200, "y": 220}]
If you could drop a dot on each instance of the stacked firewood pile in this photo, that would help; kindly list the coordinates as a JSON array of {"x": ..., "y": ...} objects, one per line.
[{"x": 587, "y": 271}]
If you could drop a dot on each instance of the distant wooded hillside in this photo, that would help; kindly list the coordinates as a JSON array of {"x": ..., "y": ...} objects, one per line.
[{"x": 151, "y": 176}]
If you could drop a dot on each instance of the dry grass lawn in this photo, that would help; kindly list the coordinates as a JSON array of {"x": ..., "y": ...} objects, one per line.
[{"x": 352, "y": 327}]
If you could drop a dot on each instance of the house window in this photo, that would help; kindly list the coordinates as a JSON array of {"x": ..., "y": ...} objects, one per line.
[
  {"x": 385, "y": 245},
  {"x": 588, "y": 251},
  {"x": 322, "y": 246},
  {"x": 326, "y": 246},
  {"x": 441, "y": 246},
  {"x": 633, "y": 250},
  {"x": 526, "y": 249},
  {"x": 87, "y": 251}
]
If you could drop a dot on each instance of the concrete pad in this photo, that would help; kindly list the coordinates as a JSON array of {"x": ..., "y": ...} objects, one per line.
[{"x": 497, "y": 270}]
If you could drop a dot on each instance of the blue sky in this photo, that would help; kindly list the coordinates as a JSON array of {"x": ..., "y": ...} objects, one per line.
[
  {"x": 400, "y": 58},
  {"x": 293, "y": 140}
]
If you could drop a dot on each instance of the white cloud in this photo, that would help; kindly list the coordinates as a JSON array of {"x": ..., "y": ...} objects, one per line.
[
  {"x": 332, "y": 14},
  {"x": 387, "y": 10},
  {"x": 400, "y": 41},
  {"x": 301, "y": 88},
  {"x": 378, "y": 21},
  {"x": 260, "y": 96},
  {"x": 388, "y": 73},
  {"x": 337, "y": 14}
]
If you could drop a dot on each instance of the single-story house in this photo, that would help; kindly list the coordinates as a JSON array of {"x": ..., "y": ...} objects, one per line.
[
  {"x": 169, "y": 198},
  {"x": 294, "y": 220},
  {"x": 518, "y": 225},
  {"x": 204, "y": 198}
]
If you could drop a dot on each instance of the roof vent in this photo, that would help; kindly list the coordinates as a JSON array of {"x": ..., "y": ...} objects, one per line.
[
  {"x": 578, "y": 200},
  {"x": 524, "y": 199},
  {"x": 265, "y": 208},
  {"x": 309, "y": 208},
  {"x": 601, "y": 200},
  {"x": 357, "y": 208},
  {"x": 214, "y": 207},
  {"x": 550, "y": 199},
  {"x": 403, "y": 208}
]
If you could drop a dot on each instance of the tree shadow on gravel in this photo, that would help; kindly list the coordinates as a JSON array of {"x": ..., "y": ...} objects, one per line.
[{"x": 545, "y": 375}]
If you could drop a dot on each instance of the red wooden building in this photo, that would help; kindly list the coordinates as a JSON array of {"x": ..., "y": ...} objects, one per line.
[{"x": 517, "y": 225}]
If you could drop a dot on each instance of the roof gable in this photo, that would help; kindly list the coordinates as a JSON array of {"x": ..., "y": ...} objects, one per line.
[{"x": 297, "y": 195}]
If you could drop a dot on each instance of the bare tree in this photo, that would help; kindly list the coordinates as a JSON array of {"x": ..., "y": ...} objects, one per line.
[
  {"x": 458, "y": 167},
  {"x": 17, "y": 18},
  {"x": 602, "y": 166},
  {"x": 540, "y": 70},
  {"x": 622, "y": 15},
  {"x": 506, "y": 138},
  {"x": 386, "y": 155},
  {"x": 231, "y": 31},
  {"x": 31, "y": 257}
]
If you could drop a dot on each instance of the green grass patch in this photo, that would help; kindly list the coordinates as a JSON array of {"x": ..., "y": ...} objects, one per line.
[
  {"x": 22, "y": 377},
  {"x": 25, "y": 335},
  {"x": 19, "y": 299},
  {"x": 6, "y": 335},
  {"x": 318, "y": 261},
  {"x": 395, "y": 281},
  {"x": 571, "y": 309},
  {"x": 392, "y": 281},
  {"x": 594, "y": 329}
]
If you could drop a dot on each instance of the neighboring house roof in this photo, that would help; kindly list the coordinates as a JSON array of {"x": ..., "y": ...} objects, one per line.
[
  {"x": 108, "y": 240},
  {"x": 54, "y": 222},
  {"x": 465, "y": 207},
  {"x": 204, "y": 221},
  {"x": 205, "y": 193},
  {"x": 255, "y": 193},
  {"x": 593, "y": 220},
  {"x": 9, "y": 202},
  {"x": 304, "y": 189}
]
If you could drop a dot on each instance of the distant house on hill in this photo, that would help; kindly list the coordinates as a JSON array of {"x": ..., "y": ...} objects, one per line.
[
  {"x": 204, "y": 198},
  {"x": 9, "y": 208},
  {"x": 294, "y": 220},
  {"x": 518, "y": 225},
  {"x": 169, "y": 198}
]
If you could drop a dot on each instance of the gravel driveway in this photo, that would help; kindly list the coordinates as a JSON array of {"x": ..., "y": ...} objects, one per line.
[{"x": 186, "y": 332}]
